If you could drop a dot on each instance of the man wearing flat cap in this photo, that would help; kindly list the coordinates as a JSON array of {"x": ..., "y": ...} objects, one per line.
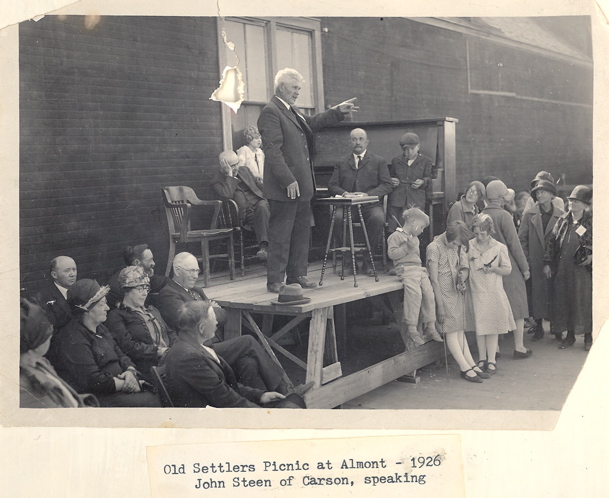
[{"x": 411, "y": 175}]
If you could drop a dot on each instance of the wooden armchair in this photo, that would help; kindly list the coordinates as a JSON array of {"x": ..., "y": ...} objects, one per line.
[
  {"x": 179, "y": 202},
  {"x": 246, "y": 238}
]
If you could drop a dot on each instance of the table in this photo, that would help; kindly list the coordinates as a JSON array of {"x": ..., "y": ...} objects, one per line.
[
  {"x": 347, "y": 203},
  {"x": 323, "y": 368}
]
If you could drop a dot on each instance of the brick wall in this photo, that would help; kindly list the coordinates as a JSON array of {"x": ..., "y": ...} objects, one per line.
[
  {"x": 108, "y": 116},
  {"x": 400, "y": 69}
]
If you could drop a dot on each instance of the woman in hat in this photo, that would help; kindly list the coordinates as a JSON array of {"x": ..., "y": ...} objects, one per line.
[
  {"x": 40, "y": 386},
  {"x": 497, "y": 194},
  {"x": 138, "y": 329},
  {"x": 86, "y": 355},
  {"x": 535, "y": 229},
  {"x": 568, "y": 261},
  {"x": 466, "y": 208},
  {"x": 557, "y": 201}
]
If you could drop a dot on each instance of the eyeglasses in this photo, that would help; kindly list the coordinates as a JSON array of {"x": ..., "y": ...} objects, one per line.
[
  {"x": 193, "y": 271},
  {"x": 142, "y": 288},
  {"x": 472, "y": 191}
]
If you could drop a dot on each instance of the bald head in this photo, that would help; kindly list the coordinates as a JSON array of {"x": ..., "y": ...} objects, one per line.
[
  {"x": 185, "y": 270},
  {"x": 359, "y": 141},
  {"x": 64, "y": 271}
]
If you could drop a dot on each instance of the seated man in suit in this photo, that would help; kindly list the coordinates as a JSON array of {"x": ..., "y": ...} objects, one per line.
[
  {"x": 139, "y": 255},
  {"x": 239, "y": 184},
  {"x": 196, "y": 375},
  {"x": 362, "y": 173},
  {"x": 244, "y": 354},
  {"x": 53, "y": 297}
]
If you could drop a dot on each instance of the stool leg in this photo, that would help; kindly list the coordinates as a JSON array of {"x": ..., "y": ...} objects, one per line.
[
  {"x": 361, "y": 219},
  {"x": 352, "y": 244},
  {"x": 323, "y": 266}
]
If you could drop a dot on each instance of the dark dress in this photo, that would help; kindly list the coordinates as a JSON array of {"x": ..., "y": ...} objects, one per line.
[{"x": 572, "y": 283}]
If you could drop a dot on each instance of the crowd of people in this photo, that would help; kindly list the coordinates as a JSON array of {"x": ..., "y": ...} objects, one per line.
[{"x": 503, "y": 261}]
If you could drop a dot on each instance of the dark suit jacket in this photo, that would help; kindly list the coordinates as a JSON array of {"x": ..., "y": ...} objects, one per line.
[
  {"x": 404, "y": 196},
  {"x": 195, "y": 379},
  {"x": 288, "y": 143},
  {"x": 371, "y": 177},
  {"x": 57, "y": 308},
  {"x": 227, "y": 187}
]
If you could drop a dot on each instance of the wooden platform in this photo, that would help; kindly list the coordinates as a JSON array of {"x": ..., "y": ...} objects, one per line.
[{"x": 247, "y": 295}]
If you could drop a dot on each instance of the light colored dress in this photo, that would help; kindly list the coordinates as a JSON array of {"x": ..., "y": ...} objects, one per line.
[
  {"x": 253, "y": 160},
  {"x": 492, "y": 311},
  {"x": 449, "y": 261}
]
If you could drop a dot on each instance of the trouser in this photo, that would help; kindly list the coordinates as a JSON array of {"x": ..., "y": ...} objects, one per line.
[
  {"x": 374, "y": 218},
  {"x": 289, "y": 234},
  {"x": 418, "y": 295},
  {"x": 251, "y": 364},
  {"x": 259, "y": 215}
]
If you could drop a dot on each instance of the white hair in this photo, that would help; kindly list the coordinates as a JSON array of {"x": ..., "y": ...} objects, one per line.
[
  {"x": 287, "y": 74},
  {"x": 181, "y": 258}
]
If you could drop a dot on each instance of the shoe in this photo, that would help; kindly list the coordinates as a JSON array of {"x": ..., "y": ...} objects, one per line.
[
  {"x": 567, "y": 343},
  {"x": 475, "y": 379},
  {"x": 304, "y": 283},
  {"x": 535, "y": 329},
  {"x": 538, "y": 335},
  {"x": 430, "y": 329},
  {"x": 587, "y": 344},
  {"x": 519, "y": 355},
  {"x": 303, "y": 388},
  {"x": 274, "y": 287},
  {"x": 482, "y": 374},
  {"x": 482, "y": 365},
  {"x": 262, "y": 254},
  {"x": 491, "y": 370},
  {"x": 558, "y": 336},
  {"x": 414, "y": 334}
]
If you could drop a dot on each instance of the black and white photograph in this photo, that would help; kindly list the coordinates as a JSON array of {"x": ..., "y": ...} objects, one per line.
[{"x": 384, "y": 222}]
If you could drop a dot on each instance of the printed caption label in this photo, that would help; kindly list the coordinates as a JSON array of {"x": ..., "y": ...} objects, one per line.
[{"x": 406, "y": 466}]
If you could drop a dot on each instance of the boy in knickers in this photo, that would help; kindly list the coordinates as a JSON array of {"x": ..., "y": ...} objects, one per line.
[{"x": 403, "y": 249}]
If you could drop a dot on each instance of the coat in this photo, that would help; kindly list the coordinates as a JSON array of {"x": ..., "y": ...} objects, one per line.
[
  {"x": 505, "y": 232},
  {"x": 133, "y": 337},
  {"x": 57, "y": 308},
  {"x": 533, "y": 240},
  {"x": 88, "y": 361},
  {"x": 371, "y": 177},
  {"x": 173, "y": 296},
  {"x": 288, "y": 145},
  {"x": 195, "y": 379},
  {"x": 227, "y": 187},
  {"x": 404, "y": 196}
]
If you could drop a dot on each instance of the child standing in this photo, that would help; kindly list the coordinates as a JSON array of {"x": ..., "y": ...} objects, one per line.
[
  {"x": 488, "y": 263},
  {"x": 448, "y": 270},
  {"x": 403, "y": 249}
]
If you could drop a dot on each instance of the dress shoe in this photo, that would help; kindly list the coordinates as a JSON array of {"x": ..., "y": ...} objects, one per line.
[
  {"x": 481, "y": 374},
  {"x": 414, "y": 334},
  {"x": 262, "y": 254},
  {"x": 519, "y": 355},
  {"x": 303, "y": 282},
  {"x": 538, "y": 335},
  {"x": 567, "y": 343},
  {"x": 587, "y": 344},
  {"x": 274, "y": 287},
  {"x": 474, "y": 378},
  {"x": 491, "y": 368}
]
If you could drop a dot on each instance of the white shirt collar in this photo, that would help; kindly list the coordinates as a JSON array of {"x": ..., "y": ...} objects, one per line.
[
  {"x": 283, "y": 101},
  {"x": 361, "y": 155},
  {"x": 63, "y": 290}
]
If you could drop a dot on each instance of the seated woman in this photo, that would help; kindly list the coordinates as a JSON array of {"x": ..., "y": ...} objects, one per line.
[
  {"x": 251, "y": 154},
  {"x": 196, "y": 375},
  {"x": 40, "y": 386},
  {"x": 139, "y": 331},
  {"x": 86, "y": 355}
]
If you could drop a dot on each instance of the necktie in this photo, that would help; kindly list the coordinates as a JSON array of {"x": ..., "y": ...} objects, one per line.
[
  {"x": 257, "y": 163},
  {"x": 359, "y": 161},
  {"x": 195, "y": 296}
]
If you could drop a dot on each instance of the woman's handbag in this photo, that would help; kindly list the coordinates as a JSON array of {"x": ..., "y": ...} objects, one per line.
[{"x": 581, "y": 255}]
